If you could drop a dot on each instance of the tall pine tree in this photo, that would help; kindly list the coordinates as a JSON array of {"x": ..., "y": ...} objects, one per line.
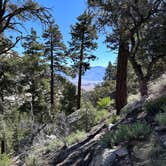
[
  {"x": 54, "y": 53},
  {"x": 83, "y": 35},
  {"x": 125, "y": 19},
  {"x": 35, "y": 73}
]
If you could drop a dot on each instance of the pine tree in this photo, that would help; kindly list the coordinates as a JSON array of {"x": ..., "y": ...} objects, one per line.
[
  {"x": 12, "y": 16},
  {"x": 82, "y": 43},
  {"x": 125, "y": 19},
  {"x": 54, "y": 53},
  {"x": 35, "y": 71},
  {"x": 110, "y": 73}
]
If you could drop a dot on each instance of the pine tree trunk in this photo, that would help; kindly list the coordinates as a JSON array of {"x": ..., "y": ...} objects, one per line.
[
  {"x": 143, "y": 87},
  {"x": 79, "y": 84},
  {"x": 52, "y": 77},
  {"x": 2, "y": 146},
  {"x": 80, "y": 73},
  {"x": 121, "y": 83}
]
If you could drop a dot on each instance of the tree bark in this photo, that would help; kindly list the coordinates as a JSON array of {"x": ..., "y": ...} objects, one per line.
[
  {"x": 121, "y": 82},
  {"x": 2, "y": 146},
  {"x": 143, "y": 87},
  {"x": 79, "y": 82},
  {"x": 52, "y": 77},
  {"x": 80, "y": 72}
]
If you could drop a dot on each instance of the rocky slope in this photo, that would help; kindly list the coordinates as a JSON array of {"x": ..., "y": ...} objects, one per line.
[{"x": 149, "y": 151}]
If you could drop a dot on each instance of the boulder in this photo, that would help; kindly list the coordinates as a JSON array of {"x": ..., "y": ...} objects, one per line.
[
  {"x": 122, "y": 152},
  {"x": 105, "y": 158}
]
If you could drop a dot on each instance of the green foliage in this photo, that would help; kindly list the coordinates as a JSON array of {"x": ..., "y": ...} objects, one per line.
[
  {"x": 5, "y": 160},
  {"x": 83, "y": 35},
  {"x": 156, "y": 105},
  {"x": 128, "y": 132},
  {"x": 36, "y": 79},
  {"x": 89, "y": 117},
  {"x": 104, "y": 103},
  {"x": 31, "y": 161},
  {"x": 110, "y": 73},
  {"x": 157, "y": 155},
  {"x": 113, "y": 119},
  {"x": 75, "y": 137},
  {"x": 51, "y": 146},
  {"x": 100, "y": 115},
  {"x": 101, "y": 91},
  {"x": 54, "y": 47},
  {"x": 87, "y": 120},
  {"x": 68, "y": 101},
  {"x": 161, "y": 118}
]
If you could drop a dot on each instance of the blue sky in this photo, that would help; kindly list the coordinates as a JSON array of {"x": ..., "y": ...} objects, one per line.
[{"x": 65, "y": 13}]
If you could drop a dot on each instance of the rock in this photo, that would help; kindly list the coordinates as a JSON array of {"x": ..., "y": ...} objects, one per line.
[
  {"x": 163, "y": 140},
  {"x": 110, "y": 126},
  {"x": 160, "y": 128},
  {"x": 51, "y": 137},
  {"x": 132, "y": 109},
  {"x": 11, "y": 99},
  {"x": 105, "y": 158},
  {"x": 75, "y": 116},
  {"x": 122, "y": 152},
  {"x": 142, "y": 150},
  {"x": 142, "y": 115}
]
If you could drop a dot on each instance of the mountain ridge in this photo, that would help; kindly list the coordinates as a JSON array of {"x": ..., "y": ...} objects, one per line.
[{"x": 91, "y": 78}]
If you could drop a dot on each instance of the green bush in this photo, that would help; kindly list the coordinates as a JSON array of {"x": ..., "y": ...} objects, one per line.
[
  {"x": 54, "y": 145},
  {"x": 156, "y": 105},
  {"x": 89, "y": 117},
  {"x": 101, "y": 114},
  {"x": 75, "y": 137},
  {"x": 104, "y": 103},
  {"x": 31, "y": 161},
  {"x": 113, "y": 119},
  {"x": 161, "y": 118},
  {"x": 127, "y": 132},
  {"x": 157, "y": 155},
  {"x": 5, "y": 160}
]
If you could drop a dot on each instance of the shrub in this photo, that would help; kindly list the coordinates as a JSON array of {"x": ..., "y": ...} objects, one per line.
[
  {"x": 5, "y": 160},
  {"x": 157, "y": 155},
  {"x": 161, "y": 118},
  {"x": 75, "y": 137},
  {"x": 127, "y": 132},
  {"x": 113, "y": 119},
  {"x": 101, "y": 114},
  {"x": 54, "y": 145},
  {"x": 89, "y": 117},
  {"x": 104, "y": 103},
  {"x": 156, "y": 105},
  {"x": 31, "y": 161}
]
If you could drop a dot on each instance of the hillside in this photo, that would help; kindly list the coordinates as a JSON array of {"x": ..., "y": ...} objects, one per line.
[
  {"x": 54, "y": 112},
  {"x": 137, "y": 137}
]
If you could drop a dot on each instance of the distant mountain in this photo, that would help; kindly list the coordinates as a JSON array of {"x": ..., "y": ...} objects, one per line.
[
  {"x": 92, "y": 77},
  {"x": 94, "y": 74}
]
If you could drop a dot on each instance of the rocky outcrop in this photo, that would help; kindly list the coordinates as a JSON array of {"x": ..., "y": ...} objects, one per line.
[
  {"x": 80, "y": 153},
  {"x": 107, "y": 157}
]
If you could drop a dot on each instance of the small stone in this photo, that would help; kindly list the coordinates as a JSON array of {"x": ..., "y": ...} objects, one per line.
[
  {"x": 122, "y": 152},
  {"x": 160, "y": 128},
  {"x": 105, "y": 158},
  {"x": 142, "y": 115},
  {"x": 163, "y": 140},
  {"x": 110, "y": 126}
]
